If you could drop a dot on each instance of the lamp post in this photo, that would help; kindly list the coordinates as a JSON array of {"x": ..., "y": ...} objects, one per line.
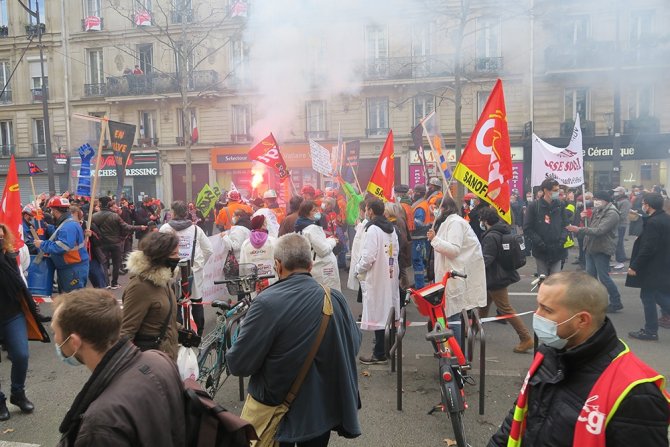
[{"x": 45, "y": 95}]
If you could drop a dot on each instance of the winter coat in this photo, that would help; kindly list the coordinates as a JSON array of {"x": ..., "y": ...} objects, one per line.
[
  {"x": 132, "y": 398},
  {"x": 274, "y": 339},
  {"x": 544, "y": 224},
  {"x": 146, "y": 302},
  {"x": 113, "y": 229},
  {"x": 379, "y": 273},
  {"x": 262, "y": 256},
  {"x": 497, "y": 277},
  {"x": 143, "y": 217},
  {"x": 356, "y": 246},
  {"x": 623, "y": 206},
  {"x": 651, "y": 254},
  {"x": 324, "y": 262},
  {"x": 457, "y": 248},
  {"x": 187, "y": 233},
  {"x": 562, "y": 383},
  {"x": 68, "y": 248},
  {"x": 602, "y": 232},
  {"x": 235, "y": 237}
]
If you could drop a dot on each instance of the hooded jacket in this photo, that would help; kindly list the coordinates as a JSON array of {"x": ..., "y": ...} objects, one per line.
[
  {"x": 324, "y": 262},
  {"x": 497, "y": 277},
  {"x": 146, "y": 302}
]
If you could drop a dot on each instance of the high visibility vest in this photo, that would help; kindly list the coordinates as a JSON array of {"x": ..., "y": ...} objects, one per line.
[
  {"x": 409, "y": 216},
  {"x": 423, "y": 204},
  {"x": 280, "y": 213}
]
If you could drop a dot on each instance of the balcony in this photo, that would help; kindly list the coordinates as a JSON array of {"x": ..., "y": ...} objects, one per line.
[
  {"x": 183, "y": 16},
  {"x": 316, "y": 134},
  {"x": 92, "y": 23},
  {"x": 38, "y": 92},
  {"x": 409, "y": 67},
  {"x": 4, "y": 31},
  {"x": 32, "y": 29},
  {"x": 645, "y": 124},
  {"x": 488, "y": 64},
  {"x": 584, "y": 56},
  {"x": 6, "y": 97},
  {"x": 7, "y": 150},
  {"x": 94, "y": 90},
  {"x": 588, "y": 128},
  {"x": 40, "y": 149},
  {"x": 240, "y": 138},
  {"x": 378, "y": 132},
  {"x": 148, "y": 142},
  {"x": 159, "y": 83}
]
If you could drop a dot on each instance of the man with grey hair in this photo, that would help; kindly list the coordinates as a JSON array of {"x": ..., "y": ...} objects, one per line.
[
  {"x": 275, "y": 339},
  {"x": 585, "y": 386}
]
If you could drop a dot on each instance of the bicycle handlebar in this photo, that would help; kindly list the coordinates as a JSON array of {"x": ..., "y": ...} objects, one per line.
[
  {"x": 243, "y": 278},
  {"x": 438, "y": 334}
]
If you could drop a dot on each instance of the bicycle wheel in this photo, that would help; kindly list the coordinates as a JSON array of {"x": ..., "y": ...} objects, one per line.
[
  {"x": 453, "y": 402},
  {"x": 211, "y": 362},
  {"x": 459, "y": 428}
]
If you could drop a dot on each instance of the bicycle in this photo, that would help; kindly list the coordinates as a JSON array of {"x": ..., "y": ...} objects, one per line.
[
  {"x": 212, "y": 357},
  {"x": 452, "y": 364}
]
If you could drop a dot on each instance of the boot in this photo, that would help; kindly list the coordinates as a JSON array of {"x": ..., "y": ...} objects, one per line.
[
  {"x": 524, "y": 346},
  {"x": 4, "y": 411},
  {"x": 20, "y": 400}
]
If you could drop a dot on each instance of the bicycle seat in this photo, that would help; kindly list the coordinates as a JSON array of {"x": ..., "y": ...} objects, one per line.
[
  {"x": 221, "y": 304},
  {"x": 438, "y": 334}
]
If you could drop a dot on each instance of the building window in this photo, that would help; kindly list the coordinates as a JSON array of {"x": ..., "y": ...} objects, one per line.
[
  {"x": 182, "y": 12},
  {"x": 241, "y": 123},
  {"x": 642, "y": 103},
  {"x": 316, "y": 119},
  {"x": 482, "y": 97},
  {"x": 145, "y": 56},
  {"x": 378, "y": 116},
  {"x": 422, "y": 49},
  {"x": 488, "y": 44},
  {"x": 180, "y": 51},
  {"x": 376, "y": 51},
  {"x": 4, "y": 19},
  {"x": 32, "y": 5},
  {"x": 96, "y": 73},
  {"x": 576, "y": 102},
  {"x": 184, "y": 129},
  {"x": 6, "y": 138},
  {"x": 148, "y": 130},
  {"x": 575, "y": 30},
  {"x": 240, "y": 58},
  {"x": 641, "y": 26},
  {"x": 5, "y": 70},
  {"x": 39, "y": 140},
  {"x": 36, "y": 80},
  {"x": 92, "y": 8},
  {"x": 423, "y": 106}
]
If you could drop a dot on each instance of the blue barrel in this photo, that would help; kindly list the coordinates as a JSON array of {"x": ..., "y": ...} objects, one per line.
[{"x": 40, "y": 277}]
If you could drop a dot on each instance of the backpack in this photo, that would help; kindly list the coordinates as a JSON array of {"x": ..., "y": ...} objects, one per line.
[
  {"x": 210, "y": 425},
  {"x": 512, "y": 251}
]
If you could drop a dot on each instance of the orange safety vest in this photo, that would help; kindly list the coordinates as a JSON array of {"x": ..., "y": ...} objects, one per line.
[
  {"x": 224, "y": 219},
  {"x": 409, "y": 216},
  {"x": 623, "y": 373},
  {"x": 423, "y": 204},
  {"x": 280, "y": 213}
]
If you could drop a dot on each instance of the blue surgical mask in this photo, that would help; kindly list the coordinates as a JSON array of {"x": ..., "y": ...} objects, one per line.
[
  {"x": 547, "y": 331},
  {"x": 72, "y": 360},
  {"x": 317, "y": 217},
  {"x": 555, "y": 195}
]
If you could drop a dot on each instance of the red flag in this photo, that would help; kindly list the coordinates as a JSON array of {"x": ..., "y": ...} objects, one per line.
[
  {"x": 381, "y": 181},
  {"x": 10, "y": 205},
  {"x": 194, "y": 131},
  {"x": 267, "y": 152},
  {"x": 33, "y": 168},
  {"x": 486, "y": 164}
]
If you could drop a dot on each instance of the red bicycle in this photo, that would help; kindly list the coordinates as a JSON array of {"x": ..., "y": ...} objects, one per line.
[{"x": 451, "y": 360}]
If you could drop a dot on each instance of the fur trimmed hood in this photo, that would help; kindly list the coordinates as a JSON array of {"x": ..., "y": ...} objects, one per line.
[{"x": 140, "y": 265}]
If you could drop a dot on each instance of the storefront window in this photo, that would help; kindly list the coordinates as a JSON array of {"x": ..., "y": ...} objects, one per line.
[{"x": 633, "y": 172}]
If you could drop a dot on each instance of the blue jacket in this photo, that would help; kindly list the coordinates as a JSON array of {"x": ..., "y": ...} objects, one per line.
[
  {"x": 68, "y": 248},
  {"x": 46, "y": 231},
  {"x": 273, "y": 342}
]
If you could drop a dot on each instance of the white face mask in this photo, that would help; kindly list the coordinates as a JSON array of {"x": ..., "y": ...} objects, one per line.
[
  {"x": 555, "y": 195},
  {"x": 437, "y": 213},
  {"x": 547, "y": 331},
  {"x": 598, "y": 203},
  {"x": 482, "y": 225}
]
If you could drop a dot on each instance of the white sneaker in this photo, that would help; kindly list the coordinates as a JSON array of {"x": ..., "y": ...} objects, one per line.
[
  {"x": 619, "y": 266},
  {"x": 613, "y": 263}
]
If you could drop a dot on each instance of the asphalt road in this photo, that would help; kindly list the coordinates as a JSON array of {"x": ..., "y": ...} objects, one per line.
[{"x": 52, "y": 385}]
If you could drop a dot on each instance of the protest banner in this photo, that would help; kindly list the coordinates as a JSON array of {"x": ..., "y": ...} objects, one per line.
[{"x": 566, "y": 165}]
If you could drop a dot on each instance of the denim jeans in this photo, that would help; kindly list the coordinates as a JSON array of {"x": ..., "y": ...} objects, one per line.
[
  {"x": 650, "y": 298},
  {"x": 378, "y": 350},
  {"x": 457, "y": 328},
  {"x": 598, "y": 266},
  {"x": 15, "y": 339},
  {"x": 620, "y": 255},
  {"x": 419, "y": 250},
  {"x": 97, "y": 275}
]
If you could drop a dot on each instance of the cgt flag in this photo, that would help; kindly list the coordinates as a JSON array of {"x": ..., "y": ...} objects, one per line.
[
  {"x": 10, "y": 205},
  {"x": 33, "y": 169},
  {"x": 267, "y": 152},
  {"x": 122, "y": 136},
  {"x": 485, "y": 167},
  {"x": 381, "y": 181}
]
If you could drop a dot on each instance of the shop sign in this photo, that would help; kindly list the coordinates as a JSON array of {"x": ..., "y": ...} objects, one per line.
[{"x": 139, "y": 165}]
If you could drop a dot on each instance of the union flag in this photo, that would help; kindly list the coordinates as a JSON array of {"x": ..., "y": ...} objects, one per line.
[
  {"x": 381, "y": 181},
  {"x": 267, "y": 152},
  {"x": 10, "y": 205}
]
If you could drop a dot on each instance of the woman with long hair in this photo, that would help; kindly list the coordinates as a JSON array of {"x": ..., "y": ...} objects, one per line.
[
  {"x": 457, "y": 247},
  {"x": 149, "y": 302}
]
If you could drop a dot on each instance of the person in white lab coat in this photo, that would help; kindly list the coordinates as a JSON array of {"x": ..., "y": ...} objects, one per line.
[
  {"x": 457, "y": 248},
  {"x": 377, "y": 270},
  {"x": 259, "y": 250}
]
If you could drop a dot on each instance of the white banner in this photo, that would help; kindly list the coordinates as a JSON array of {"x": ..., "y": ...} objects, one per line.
[
  {"x": 213, "y": 271},
  {"x": 566, "y": 165},
  {"x": 320, "y": 158}
]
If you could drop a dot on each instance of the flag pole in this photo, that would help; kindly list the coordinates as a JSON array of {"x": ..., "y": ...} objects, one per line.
[
  {"x": 290, "y": 179},
  {"x": 586, "y": 223},
  {"x": 32, "y": 185},
  {"x": 104, "y": 129},
  {"x": 360, "y": 191}
]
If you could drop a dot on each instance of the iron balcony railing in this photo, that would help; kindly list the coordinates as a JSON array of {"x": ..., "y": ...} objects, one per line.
[{"x": 159, "y": 83}]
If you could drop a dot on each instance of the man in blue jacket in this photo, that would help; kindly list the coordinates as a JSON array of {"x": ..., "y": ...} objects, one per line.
[
  {"x": 66, "y": 247},
  {"x": 275, "y": 338}
]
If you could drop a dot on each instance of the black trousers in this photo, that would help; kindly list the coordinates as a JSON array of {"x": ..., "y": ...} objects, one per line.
[{"x": 115, "y": 254}]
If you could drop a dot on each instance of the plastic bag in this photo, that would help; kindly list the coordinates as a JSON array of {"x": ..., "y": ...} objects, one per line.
[{"x": 187, "y": 363}]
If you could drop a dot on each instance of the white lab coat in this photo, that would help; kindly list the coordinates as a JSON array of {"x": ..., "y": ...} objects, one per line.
[
  {"x": 235, "y": 237},
  {"x": 263, "y": 257},
  {"x": 324, "y": 262},
  {"x": 271, "y": 221},
  {"x": 356, "y": 246},
  {"x": 457, "y": 248},
  {"x": 379, "y": 277}
]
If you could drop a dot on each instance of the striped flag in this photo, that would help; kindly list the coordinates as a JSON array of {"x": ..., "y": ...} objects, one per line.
[
  {"x": 437, "y": 144},
  {"x": 33, "y": 168}
]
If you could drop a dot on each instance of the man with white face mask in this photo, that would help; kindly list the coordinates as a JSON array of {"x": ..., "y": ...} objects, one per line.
[{"x": 584, "y": 386}]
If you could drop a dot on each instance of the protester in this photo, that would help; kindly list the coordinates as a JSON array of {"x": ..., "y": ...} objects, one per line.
[
  {"x": 635, "y": 226},
  {"x": 270, "y": 199},
  {"x": 650, "y": 266},
  {"x": 259, "y": 250},
  {"x": 395, "y": 214},
  {"x": 499, "y": 277},
  {"x": 422, "y": 218},
  {"x": 434, "y": 194},
  {"x": 239, "y": 232},
  {"x": 622, "y": 205},
  {"x": 474, "y": 213},
  {"x": 288, "y": 224},
  {"x": 600, "y": 241},
  {"x": 324, "y": 266},
  {"x": 544, "y": 224},
  {"x": 379, "y": 275},
  {"x": 66, "y": 247},
  {"x": 517, "y": 213},
  {"x": 127, "y": 214},
  {"x": 224, "y": 220},
  {"x": 195, "y": 246},
  {"x": 279, "y": 331},
  {"x": 41, "y": 228},
  {"x": 16, "y": 309},
  {"x": 149, "y": 303},
  {"x": 457, "y": 248},
  {"x": 143, "y": 215},
  {"x": 132, "y": 397},
  {"x": 585, "y": 387}
]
